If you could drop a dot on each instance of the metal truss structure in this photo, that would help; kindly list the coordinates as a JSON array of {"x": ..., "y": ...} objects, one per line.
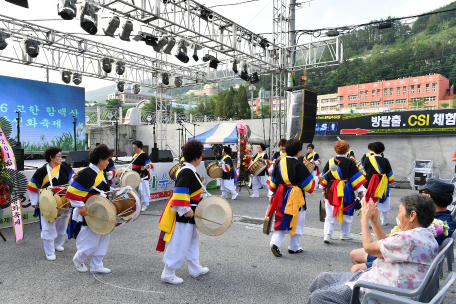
[{"x": 181, "y": 19}]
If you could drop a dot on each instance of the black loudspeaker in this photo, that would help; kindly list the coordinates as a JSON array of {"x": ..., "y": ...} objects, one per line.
[
  {"x": 209, "y": 155},
  {"x": 420, "y": 179},
  {"x": 154, "y": 155},
  {"x": 77, "y": 159},
  {"x": 23, "y": 3},
  {"x": 309, "y": 116},
  {"x": 20, "y": 159},
  {"x": 165, "y": 156}
]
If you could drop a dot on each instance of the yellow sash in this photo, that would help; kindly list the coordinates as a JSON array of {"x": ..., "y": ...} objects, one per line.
[
  {"x": 167, "y": 222},
  {"x": 295, "y": 199},
  {"x": 383, "y": 183},
  {"x": 310, "y": 155},
  {"x": 258, "y": 156},
  {"x": 54, "y": 172}
]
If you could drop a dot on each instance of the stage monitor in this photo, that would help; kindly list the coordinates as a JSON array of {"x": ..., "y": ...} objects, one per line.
[
  {"x": 46, "y": 113},
  {"x": 302, "y": 115}
]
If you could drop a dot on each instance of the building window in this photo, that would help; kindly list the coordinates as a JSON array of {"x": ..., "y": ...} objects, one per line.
[
  {"x": 341, "y": 97},
  {"x": 352, "y": 97},
  {"x": 413, "y": 89},
  {"x": 418, "y": 88},
  {"x": 430, "y": 98},
  {"x": 398, "y": 91},
  {"x": 429, "y": 108},
  {"x": 333, "y": 100},
  {"x": 324, "y": 108},
  {"x": 388, "y": 102},
  {"x": 373, "y": 93},
  {"x": 361, "y": 95},
  {"x": 352, "y": 105},
  {"x": 427, "y": 87},
  {"x": 332, "y": 108},
  {"x": 400, "y": 110},
  {"x": 433, "y": 87},
  {"x": 366, "y": 94},
  {"x": 401, "y": 101},
  {"x": 375, "y": 103},
  {"x": 378, "y": 93},
  {"x": 405, "y": 90},
  {"x": 324, "y": 100},
  {"x": 364, "y": 104},
  {"x": 391, "y": 91},
  {"x": 385, "y": 93}
]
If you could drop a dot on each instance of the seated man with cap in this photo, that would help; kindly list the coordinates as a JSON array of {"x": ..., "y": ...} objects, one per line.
[{"x": 442, "y": 194}]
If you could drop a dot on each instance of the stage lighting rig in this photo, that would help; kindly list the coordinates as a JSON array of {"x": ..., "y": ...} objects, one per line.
[
  {"x": 146, "y": 37},
  {"x": 177, "y": 81},
  {"x": 205, "y": 14},
  {"x": 161, "y": 43},
  {"x": 77, "y": 78},
  {"x": 164, "y": 78},
  {"x": 67, "y": 9},
  {"x": 264, "y": 43},
  {"x": 112, "y": 26},
  {"x": 66, "y": 76},
  {"x": 89, "y": 17},
  {"x": 126, "y": 31},
  {"x": 3, "y": 37},
  {"x": 244, "y": 72},
  {"x": 194, "y": 50},
  {"x": 136, "y": 88},
  {"x": 332, "y": 33},
  {"x": 213, "y": 62},
  {"x": 385, "y": 25},
  {"x": 254, "y": 78},
  {"x": 106, "y": 64},
  {"x": 169, "y": 47},
  {"x": 120, "y": 86},
  {"x": 31, "y": 47},
  {"x": 181, "y": 51},
  {"x": 234, "y": 67},
  {"x": 120, "y": 67}
]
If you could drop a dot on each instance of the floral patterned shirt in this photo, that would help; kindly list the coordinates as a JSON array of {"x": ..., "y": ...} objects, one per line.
[{"x": 407, "y": 256}]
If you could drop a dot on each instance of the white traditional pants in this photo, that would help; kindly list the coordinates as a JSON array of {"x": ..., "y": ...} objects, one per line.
[
  {"x": 53, "y": 234},
  {"x": 182, "y": 246},
  {"x": 330, "y": 219},
  {"x": 383, "y": 209},
  {"x": 258, "y": 182},
  {"x": 228, "y": 185},
  {"x": 90, "y": 243},
  {"x": 278, "y": 235},
  {"x": 144, "y": 192}
]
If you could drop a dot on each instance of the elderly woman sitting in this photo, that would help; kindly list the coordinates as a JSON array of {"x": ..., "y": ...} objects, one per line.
[{"x": 403, "y": 257}]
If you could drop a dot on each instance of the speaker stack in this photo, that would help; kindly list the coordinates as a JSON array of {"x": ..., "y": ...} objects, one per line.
[{"x": 302, "y": 115}]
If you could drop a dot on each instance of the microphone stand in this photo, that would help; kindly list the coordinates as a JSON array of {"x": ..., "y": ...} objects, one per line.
[
  {"x": 74, "y": 132},
  {"x": 194, "y": 129},
  {"x": 180, "y": 145}
]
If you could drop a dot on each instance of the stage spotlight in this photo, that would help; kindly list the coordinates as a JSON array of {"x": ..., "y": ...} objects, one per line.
[
  {"x": 67, "y": 9},
  {"x": 213, "y": 62},
  {"x": 136, "y": 88},
  {"x": 89, "y": 17},
  {"x": 77, "y": 78},
  {"x": 66, "y": 76},
  {"x": 234, "y": 66},
  {"x": 169, "y": 47},
  {"x": 161, "y": 43},
  {"x": 3, "y": 43},
  {"x": 205, "y": 14},
  {"x": 107, "y": 64},
  {"x": 244, "y": 75},
  {"x": 164, "y": 77},
  {"x": 181, "y": 51},
  {"x": 31, "y": 47},
  {"x": 121, "y": 86},
  {"x": 264, "y": 43},
  {"x": 120, "y": 67},
  {"x": 148, "y": 38},
  {"x": 126, "y": 31},
  {"x": 254, "y": 78},
  {"x": 385, "y": 25},
  {"x": 112, "y": 27},
  {"x": 177, "y": 81},
  {"x": 332, "y": 33}
]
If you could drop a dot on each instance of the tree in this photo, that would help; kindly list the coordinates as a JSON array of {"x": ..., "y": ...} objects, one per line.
[
  {"x": 150, "y": 105},
  {"x": 445, "y": 105},
  {"x": 180, "y": 110},
  {"x": 418, "y": 102},
  {"x": 113, "y": 106}
]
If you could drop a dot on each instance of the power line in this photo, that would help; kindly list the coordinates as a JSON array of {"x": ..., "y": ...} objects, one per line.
[
  {"x": 234, "y": 3},
  {"x": 259, "y": 12}
]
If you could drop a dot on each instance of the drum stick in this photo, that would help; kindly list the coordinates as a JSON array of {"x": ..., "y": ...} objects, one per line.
[
  {"x": 205, "y": 219},
  {"x": 91, "y": 215},
  {"x": 332, "y": 167}
]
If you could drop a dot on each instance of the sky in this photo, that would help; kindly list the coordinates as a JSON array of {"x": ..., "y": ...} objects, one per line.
[{"x": 255, "y": 16}]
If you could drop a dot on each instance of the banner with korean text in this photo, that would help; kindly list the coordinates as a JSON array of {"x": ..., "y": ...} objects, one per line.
[{"x": 426, "y": 122}]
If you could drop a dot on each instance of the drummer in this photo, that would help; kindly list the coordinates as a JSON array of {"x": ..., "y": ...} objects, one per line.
[
  {"x": 54, "y": 173},
  {"x": 110, "y": 169},
  {"x": 314, "y": 158},
  {"x": 89, "y": 182},
  {"x": 141, "y": 164},
  {"x": 261, "y": 179},
  {"x": 229, "y": 174},
  {"x": 183, "y": 239}
]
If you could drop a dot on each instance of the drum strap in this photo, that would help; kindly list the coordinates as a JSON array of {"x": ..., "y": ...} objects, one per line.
[
  {"x": 204, "y": 188},
  {"x": 130, "y": 165}
]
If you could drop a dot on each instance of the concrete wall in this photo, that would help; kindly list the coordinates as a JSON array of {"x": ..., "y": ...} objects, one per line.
[{"x": 400, "y": 150}]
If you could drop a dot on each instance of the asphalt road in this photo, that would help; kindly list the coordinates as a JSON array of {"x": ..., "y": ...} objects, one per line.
[{"x": 242, "y": 267}]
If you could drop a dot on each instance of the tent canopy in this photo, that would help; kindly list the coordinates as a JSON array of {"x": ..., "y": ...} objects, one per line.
[{"x": 224, "y": 133}]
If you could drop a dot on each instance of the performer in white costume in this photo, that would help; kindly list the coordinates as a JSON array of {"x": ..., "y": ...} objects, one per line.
[
  {"x": 261, "y": 179},
  {"x": 229, "y": 174}
]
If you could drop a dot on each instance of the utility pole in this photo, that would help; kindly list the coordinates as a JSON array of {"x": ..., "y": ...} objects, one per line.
[{"x": 251, "y": 88}]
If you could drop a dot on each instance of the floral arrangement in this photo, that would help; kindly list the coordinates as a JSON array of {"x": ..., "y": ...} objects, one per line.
[
  {"x": 244, "y": 150},
  {"x": 4, "y": 188},
  {"x": 437, "y": 228}
]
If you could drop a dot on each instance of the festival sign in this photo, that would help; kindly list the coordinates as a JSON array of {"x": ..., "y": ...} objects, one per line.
[{"x": 430, "y": 122}]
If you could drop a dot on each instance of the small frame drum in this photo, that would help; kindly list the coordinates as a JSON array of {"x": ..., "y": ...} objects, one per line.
[
  {"x": 173, "y": 171},
  {"x": 309, "y": 165},
  {"x": 257, "y": 167},
  {"x": 214, "y": 171},
  {"x": 360, "y": 167},
  {"x": 215, "y": 209},
  {"x": 129, "y": 178},
  {"x": 105, "y": 215},
  {"x": 322, "y": 211},
  {"x": 51, "y": 204},
  {"x": 78, "y": 170}
]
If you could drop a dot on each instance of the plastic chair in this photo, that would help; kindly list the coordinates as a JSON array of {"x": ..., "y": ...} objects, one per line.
[
  {"x": 425, "y": 292},
  {"x": 394, "y": 299},
  {"x": 450, "y": 253}
]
